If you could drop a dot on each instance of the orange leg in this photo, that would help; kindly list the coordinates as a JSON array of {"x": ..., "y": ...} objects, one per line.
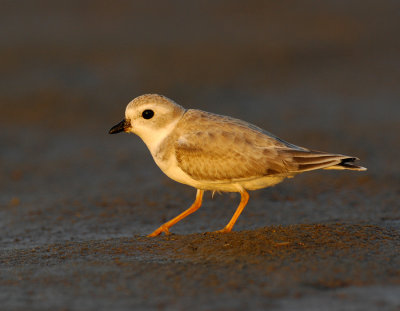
[
  {"x": 195, "y": 206},
  {"x": 243, "y": 201}
]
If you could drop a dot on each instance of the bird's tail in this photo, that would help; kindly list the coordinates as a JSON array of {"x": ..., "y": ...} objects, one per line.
[
  {"x": 308, "y": 160},
  {"x": 347, "y": 164}
]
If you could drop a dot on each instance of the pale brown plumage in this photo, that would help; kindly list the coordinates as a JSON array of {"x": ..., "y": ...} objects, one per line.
[{"x": 232, "y": 150}]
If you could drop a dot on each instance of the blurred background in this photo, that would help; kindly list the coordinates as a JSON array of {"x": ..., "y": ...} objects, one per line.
[
  {"x": 322, "y": 74},
  {"x": 81, "y": 62}
]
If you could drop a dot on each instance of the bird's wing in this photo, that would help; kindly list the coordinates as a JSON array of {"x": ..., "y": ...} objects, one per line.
[
  {"x": 216, "y": 148},
  {"x": 221, "y": 149}
]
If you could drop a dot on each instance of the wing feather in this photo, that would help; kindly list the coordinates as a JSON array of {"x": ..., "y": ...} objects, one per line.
[
  {"x": 222, "y": 149},
  {"x": 216, "y": 148}
]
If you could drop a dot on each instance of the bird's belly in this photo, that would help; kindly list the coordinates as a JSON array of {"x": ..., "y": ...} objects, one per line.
[
  {"x": 171, "y": 168},
  {"x": 262, "y": 182},
  {"x": 175, "y": 173}
]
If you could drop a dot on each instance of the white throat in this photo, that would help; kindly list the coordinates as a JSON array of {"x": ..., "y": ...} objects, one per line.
[{"x": 154, "y": 137}]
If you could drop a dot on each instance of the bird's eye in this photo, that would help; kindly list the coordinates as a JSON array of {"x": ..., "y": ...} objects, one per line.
[{"x": 147, "y": 114}]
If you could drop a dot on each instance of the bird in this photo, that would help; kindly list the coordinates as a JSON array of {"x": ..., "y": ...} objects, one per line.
[{"x": 218, "y": 153}]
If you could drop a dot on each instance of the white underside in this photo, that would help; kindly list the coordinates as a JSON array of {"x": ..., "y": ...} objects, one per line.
[{"x": 173, "y": 171}]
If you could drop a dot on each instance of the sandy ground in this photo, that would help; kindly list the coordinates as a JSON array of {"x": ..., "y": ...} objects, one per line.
[{"x": 76, "y": 203}]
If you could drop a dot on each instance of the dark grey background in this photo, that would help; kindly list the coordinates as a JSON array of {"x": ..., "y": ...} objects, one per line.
[{"x": 76, "y": 203}]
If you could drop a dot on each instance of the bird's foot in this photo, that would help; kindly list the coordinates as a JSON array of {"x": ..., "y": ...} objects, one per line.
[
  {"x": 224, "y": 230},
  {"x": 160, "y": 230}
]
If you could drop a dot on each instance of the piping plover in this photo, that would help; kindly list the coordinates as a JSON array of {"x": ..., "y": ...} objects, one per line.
[{"x": 218, "y": 153}]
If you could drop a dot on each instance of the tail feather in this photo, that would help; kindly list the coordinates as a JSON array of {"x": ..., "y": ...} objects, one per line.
[
  {"x": 308, "y": 160},
  {"x": 315, "y": 166},
  {"x": 346, "y": 164}
]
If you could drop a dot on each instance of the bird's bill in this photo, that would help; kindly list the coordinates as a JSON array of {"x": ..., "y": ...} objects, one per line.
[{"x": 122, "y": 126}]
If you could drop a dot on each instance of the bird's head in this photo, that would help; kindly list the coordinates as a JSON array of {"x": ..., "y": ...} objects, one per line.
[{"x": 151, "y": 117}]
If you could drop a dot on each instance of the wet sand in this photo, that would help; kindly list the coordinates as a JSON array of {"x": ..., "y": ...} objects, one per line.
[{"x": 76, "y": 203}]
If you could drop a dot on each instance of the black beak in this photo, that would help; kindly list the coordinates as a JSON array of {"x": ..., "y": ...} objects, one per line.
[{"x": 120, "y": 127}]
